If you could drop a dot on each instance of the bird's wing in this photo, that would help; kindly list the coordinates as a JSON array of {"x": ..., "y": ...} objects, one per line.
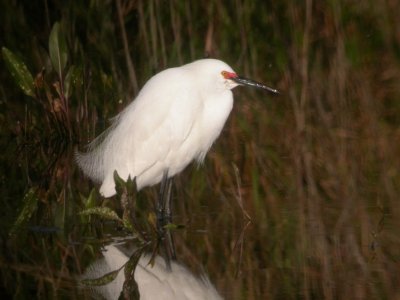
[{"x": 156, "y": 123}]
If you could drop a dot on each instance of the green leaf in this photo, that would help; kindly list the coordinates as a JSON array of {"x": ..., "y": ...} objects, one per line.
[
  {"x": 128, "y": 225},
  {"x": 103, "y": 280},
  {"x": 19, "y": 72},
  {"x": 130, "y": 266},
  {"x": 172, "y": 226},
  {"x": 29, "y": 206},
  {"x": 128, "y": 186},
  {"x": 119, "y": 182},
  {"x": 72, "y": 80},
  {"x": 103, "y": 212},
  {"x": 58, "y": 49},
  {"x": 90, "y": 202},
  {"x": 130, "y": 286}
]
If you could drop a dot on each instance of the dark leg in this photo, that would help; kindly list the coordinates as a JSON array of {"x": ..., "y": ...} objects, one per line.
[
  {"x": 161, "y": 203},
  {"x": 169, "y": 242},
  {"x": 164, "y": 217},
  {"x": 168, "y": 207}
]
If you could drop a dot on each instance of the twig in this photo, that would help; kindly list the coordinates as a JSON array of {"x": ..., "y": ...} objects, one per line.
[{"x": 129, "y": 63}]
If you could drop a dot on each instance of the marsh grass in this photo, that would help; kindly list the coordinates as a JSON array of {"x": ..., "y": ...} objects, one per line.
[{"x": 299, "y": 197}]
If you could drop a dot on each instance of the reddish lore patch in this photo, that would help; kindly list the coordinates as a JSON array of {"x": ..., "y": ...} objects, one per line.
[{"x": 228, "y": 75}]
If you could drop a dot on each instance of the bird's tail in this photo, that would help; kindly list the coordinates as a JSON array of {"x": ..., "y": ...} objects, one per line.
[{"x": 91, "y": 164}]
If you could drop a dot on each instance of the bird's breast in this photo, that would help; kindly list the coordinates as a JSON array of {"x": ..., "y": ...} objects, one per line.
[
  {"x": 215, "y": 112},
  {"x": 208, "y": 124}
]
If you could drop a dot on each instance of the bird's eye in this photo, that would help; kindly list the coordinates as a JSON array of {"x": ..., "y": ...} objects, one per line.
[{"x": 228, "y": 75}]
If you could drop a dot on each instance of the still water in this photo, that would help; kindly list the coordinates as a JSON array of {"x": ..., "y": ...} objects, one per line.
[{"x": 66, "y": 241}]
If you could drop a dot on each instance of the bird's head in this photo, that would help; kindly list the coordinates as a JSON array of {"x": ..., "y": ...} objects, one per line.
[
  {"x": 216, "y": 73},
  {"x": 232, "y": 80}
]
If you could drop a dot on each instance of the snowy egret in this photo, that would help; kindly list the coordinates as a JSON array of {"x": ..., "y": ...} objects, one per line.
[
  {"x": 174, "y": 120},
  {"x": 153, "y": 281}
]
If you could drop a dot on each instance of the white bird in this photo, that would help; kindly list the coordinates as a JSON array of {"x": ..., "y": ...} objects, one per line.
[
  {"x": 174, "y": 120},
  {"x": 154, "y": 282}
]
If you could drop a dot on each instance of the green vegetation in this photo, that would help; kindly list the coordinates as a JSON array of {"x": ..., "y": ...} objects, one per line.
[{"x": 299, "y": 197}]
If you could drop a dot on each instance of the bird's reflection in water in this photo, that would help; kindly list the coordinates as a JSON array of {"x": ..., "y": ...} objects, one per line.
[{"x": 154, "y": 281}]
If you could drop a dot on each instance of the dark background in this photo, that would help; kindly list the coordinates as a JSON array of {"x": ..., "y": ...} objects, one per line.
[{"x": 317, "y": 168}]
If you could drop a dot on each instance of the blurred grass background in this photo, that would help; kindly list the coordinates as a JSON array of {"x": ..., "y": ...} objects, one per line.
[{"x": 317, "y": 169}]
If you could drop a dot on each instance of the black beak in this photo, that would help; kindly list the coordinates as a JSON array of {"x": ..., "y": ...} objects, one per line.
[{"x": 244, "y": 81}]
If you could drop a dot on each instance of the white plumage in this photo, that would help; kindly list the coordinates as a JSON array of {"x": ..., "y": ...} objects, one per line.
[
  {"x": 174, "y": 120},
  {"x": 176, "y": 117},
  {"x": 154, "y": 282}
]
